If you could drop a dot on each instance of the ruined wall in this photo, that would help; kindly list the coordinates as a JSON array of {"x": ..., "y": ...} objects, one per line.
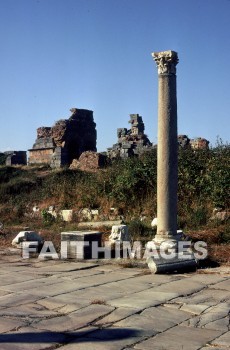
[
  {"x": 130, "y": 142},
  {"x": 66, "y": 140},
  {"x": 134, "y": 142},
  {"x": 16, "y": 158},
  {"x": 41, "y": 156}
]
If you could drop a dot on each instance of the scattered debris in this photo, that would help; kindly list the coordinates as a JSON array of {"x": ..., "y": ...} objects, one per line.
[
  {"x": 27, "y": 236},
  {"x": 119, "y": 234}
]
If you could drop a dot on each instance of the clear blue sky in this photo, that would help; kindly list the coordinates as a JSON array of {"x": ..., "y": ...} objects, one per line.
[{"x": 96, "y": 54}]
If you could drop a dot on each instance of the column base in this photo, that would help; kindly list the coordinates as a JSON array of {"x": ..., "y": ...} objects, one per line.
[{"x": 164, "y": 255}]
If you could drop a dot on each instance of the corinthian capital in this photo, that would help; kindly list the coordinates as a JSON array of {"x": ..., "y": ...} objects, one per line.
[{"x": 166, "y": 61}]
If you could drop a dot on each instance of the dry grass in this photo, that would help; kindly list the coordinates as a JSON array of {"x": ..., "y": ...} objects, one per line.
[{"x": 98, "y": 301}]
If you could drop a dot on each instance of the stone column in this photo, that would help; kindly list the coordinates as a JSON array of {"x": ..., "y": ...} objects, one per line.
[
  {"x": 167, "y": 168},
  {"x": 166, "y": 239}
]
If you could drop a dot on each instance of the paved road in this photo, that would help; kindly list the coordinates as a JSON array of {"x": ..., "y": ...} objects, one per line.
[{"x": 84, "y": 306}]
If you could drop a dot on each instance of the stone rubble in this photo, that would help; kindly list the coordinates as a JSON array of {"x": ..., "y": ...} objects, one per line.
[
  {"x": 131, "y": 142},
  {"x": 89, "y": 161},
  {"x": 26, "y": 236}
]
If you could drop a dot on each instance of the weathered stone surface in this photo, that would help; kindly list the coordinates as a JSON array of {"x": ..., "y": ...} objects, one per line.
[
  {"x": 194, "y": 308},
  {"x": 29, "y": 338},
  {"x": 225, "y": 285},
  {"x": 67, "y": 215},
  {"x": 119, "y": 234},
  {"x": 167, "y": 148},
  {"x": 143, "y": 300},
  {"x": 32, "y": 310},
  {"x": 204, "y": 320},
  {"x": 118, "y": 339},
  {"x": 223, "y": 340},
  {"x": 220, "y": 307},
  {"x": 97, "y": 224},
  {"x": 207, "y": 297},
  {"x": 166, "y": 61},
  {"x": 183, "y": 141},
  {"x": 17, "y": 299},
  {"x": 10, "y": 324},
  {"x": 179, "y": 338},
  {"x": 164, "y": 318},
  {"x": 199, "y": 143},
  {"x": 171, "y": 265},
  {"x": 58, "y": 267},
  {"x": 117, "y": 336},
  {"x": 207, "y": 279},
  {"x": 89, "y": 161},
  {"x": 143, "y": 325},
  {"x": 95, "y": 301},
  {"x": 75, "y": 320},
  {"x": 30, "y": 284},
  {"x": 26, "y": 236},
  {"x": 44, "y": 132},
  {"x": 66, "y": 140},
  {"x": 116, "y": 315},
  {"x": 16, "y": 158},
  {"x": 184, "y": 287},
  {"x": 80, "y": 244},
  {"x": 130, "y": 142},
  {"x": 220, "y": 324}
]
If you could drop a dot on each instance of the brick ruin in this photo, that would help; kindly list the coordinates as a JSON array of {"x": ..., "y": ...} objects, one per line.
[
  {"x": 130, "y": 142},
  {"x": 60, "y": 144}
]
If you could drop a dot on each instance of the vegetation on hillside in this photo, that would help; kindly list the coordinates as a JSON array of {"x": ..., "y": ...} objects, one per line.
[{"x": 129, "y": 185}]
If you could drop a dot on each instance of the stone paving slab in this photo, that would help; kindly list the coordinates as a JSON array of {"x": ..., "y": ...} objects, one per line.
[
  {"x": 82, "y": 305},
  {"x": 207, "y": 319},
  {"x": 208, "y": 296},
  {"x": 28, "y": 338},
  {"x": 163, "y": 318},
  {"x": 225, "y": 285},
  {"x": 196, "y": 309},
  {"x": 116, "y": 315},
  {"x": 29, "y": 284},
  {"x": 32, "y": 310},
  {"x": 181, "y": 287},
  {"x": 15, "y": 299},
  {"x": 3, "y": 292},
  {"x": 207, "y": 279},
  {"x": 112, "y": 338},
  {"x": 10, "y": 324},
  {"x": 63, "y": 267},
  {"x": 179, "y": 338},
  {"x": 223, "y": 340},
  {"x": 74, "y": 320},
  {"x": 143, "y": 300},
  {"x": 13, "y": 278}
]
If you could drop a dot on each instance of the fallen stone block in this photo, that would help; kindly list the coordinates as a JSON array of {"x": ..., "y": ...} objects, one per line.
[
  {"x": 27, "y": 236},
  {"x": 163, "y": 265}
]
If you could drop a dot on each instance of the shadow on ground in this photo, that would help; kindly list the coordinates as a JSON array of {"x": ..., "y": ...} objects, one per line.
[{"x": 57, "y": 337}]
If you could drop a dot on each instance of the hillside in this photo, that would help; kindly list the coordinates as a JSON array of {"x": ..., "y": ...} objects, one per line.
[{"x": 129, "y": 186}]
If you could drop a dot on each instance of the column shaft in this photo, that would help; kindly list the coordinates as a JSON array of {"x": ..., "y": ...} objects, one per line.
[
  {"x": 167, "y": 167},
  {"x": 167, "y": 158}
]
